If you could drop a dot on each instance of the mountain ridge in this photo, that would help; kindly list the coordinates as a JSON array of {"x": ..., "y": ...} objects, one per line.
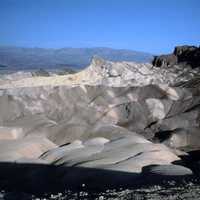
[{"x": 21, "y": 58}]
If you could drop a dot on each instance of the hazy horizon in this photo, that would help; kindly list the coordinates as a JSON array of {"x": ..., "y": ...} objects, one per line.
[{"x": 70, "y": 47}]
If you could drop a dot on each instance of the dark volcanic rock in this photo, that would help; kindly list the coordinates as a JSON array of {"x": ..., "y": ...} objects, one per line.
[
  {"x": 179, "y": 50},
  {"x": 165, "y": 60},
  {"x": 188, "y": 54},
  {"x": 182, "y": 55}
]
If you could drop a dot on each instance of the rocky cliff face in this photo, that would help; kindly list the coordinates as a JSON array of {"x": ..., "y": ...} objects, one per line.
[
  {"x": 112, "y": 124},
  {"x": 185, "y": 56}
]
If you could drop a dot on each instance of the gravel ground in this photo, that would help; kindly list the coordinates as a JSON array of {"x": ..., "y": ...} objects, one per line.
[{"x": 186, "y": 191}]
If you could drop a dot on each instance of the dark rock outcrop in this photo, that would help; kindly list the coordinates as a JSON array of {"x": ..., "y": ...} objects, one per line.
[
  {"x": 189, "y": 55},
  {"x": 182, "y": 55},
  {"x": 165, "y": 60}
]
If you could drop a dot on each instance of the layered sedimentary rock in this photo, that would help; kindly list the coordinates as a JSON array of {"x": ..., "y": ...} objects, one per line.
[{"x": 108, "y": 125}]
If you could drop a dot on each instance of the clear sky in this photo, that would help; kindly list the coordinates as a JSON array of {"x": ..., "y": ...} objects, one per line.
[{"x": 154, "y": 26}]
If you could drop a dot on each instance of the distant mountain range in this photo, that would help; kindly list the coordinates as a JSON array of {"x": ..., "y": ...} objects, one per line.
[{"x": 18, "y": 58}]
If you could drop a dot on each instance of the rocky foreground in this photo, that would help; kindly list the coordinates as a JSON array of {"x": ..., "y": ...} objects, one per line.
[
  {"x": 171, "y": 191},
  {"x": 112, "y": 125}
]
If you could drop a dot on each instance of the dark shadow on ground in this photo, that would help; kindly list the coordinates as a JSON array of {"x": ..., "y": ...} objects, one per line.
[
  {"x": 42, "y": 178},
  {"x": 192, "y": 160}
]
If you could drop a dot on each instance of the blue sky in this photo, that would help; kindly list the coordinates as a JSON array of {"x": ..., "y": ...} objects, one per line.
[{"x": 154, "y": 26}]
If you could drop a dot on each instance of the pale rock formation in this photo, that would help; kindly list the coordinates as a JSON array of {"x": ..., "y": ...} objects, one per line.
[{"x": 100, "y": 123}]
